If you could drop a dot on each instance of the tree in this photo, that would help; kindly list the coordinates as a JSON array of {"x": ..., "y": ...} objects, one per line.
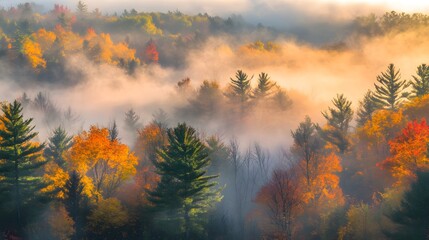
[
  {"x": 307, "y": 145},
  {"x": 409, "y": 151},
  {"x": 20, "y": 158},
  {"x": 282, "y": 199},
  {"x": 113, "y": 132},
  {"x": 338, "y": 122},
  {"x": 82, "y": 8},
  {"x": 58, "y": 145},
  {"x": 73, "y": 199},
  {"x": 107, "y": 219},
  {"x": 132, "y": 120},
  {"x": 151, "y": 54},
  {"x": 264, "y": 86},
  {"x": 366, "y": 108},
  {"x": 420, "y": 83},
  {"x": 56, "y": 170},
  {"x": 240, "y": 89},
  {"x": 185, "y": 190},
  {"x": 412, "y": 216},
  {"x": 389, "y": 90},
  {"x": 102, "y": 163}
]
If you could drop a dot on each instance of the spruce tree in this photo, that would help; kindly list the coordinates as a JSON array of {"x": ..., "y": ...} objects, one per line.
[
  {"x": 19, "y": 160},
  {"x": 420, "y": 83},
  {"x": 338, "y": 122},
  {"x": 389, "y": 90},
  {"x": 185, "y": 191},
  {"x": 58, "y": 144}
]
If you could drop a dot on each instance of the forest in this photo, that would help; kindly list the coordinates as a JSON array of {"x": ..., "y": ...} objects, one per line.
[{"x": 169, "y": 125}]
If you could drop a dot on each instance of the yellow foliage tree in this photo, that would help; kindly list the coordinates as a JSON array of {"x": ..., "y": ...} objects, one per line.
[
  {"x": 103, "y": 163},
  {"x": 33, "y": 52}
]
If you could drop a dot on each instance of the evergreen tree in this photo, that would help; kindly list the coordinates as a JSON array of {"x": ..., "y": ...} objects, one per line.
[
  {"x": 82, "y": 8},
  {"x": 73, "y": 199},
  {"x": 240, "y": 89},
  {"x": 113, "y": 132},
  {"x": 20, "y": 158},
  {"x": 307, "y": 145},
  {"x": 389, "y": 90},
  {"x": 185, "y": 191},
  {"x": 366, "y": 108},
  {"x": 338, "y": 122},
  {"x": 58, "y": 144},
  {"x": 132, "y": 120},
  {"x": 412, "y": 216},
  {"x": 420, "y": 83},
  {"x": 264, "y": 86}
]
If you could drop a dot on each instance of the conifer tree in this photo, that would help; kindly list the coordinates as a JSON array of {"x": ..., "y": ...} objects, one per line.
[
  {"x": 240, "y": 89},
  {"x": 412, "y": 216},
  {"x": 389, "y": 90},
  {"x": 185, "y": 191},
  {"x": 366, "y": 108},
  {"x": 264, "y": 86},
  {"x": 132, "y": 120},
  {"x": 113, "y": 132},
  {"x": 338, "y": 122},
  {"x": 19, "y": 159},
  {"x": 73, "y": 199},
  {"x": 58, "y": 144},
  {"x": 420, "y": 83}
]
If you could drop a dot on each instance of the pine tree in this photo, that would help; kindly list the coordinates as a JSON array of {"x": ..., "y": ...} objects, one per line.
[
  {"x": 264, "y": 86},
  {"x": 366, "y": 108},
  {"x": 82, "y": 8},
  {"x": 420, "y": 83},
  {"x": 389, "y": 90},
  {"x": 58, "y": 144},
  {"x": 412, "y": 216},
  {"x": 73, "y": 197},
  {"x": 240, "y": 89},
  {"x": 338, "y": 122},
  {"x": 184, "y": 190},
  {"x": 20, "y": 158}
]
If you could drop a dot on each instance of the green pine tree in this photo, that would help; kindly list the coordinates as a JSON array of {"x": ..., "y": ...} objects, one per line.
[
  {"x": 264, "y": 86},
  {"x": 240, "y": 90},
  {"x": 420, "y": 83},
  {"x": 338, "y": 122},
  {"x": 73, "y": 201},
  {"x": 113, "y": 132},
  {"x": 58, "y": 144},
  {"x": 413, "y": 213},
  {"x": 185, "y": 192},
  {"x": 366, "y": 108},
  {"x": 19, "y": 160},
  {"x": 389, "y": 90}
]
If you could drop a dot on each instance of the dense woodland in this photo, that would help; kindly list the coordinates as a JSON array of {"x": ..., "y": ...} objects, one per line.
[{"x": 362, "y": 173}]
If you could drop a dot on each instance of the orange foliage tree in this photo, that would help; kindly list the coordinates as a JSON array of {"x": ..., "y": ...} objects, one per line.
[
  {"x": 104, "y": 164},
  {"x": 150, "y": 138},
  {"x": 408, "y": 151}
]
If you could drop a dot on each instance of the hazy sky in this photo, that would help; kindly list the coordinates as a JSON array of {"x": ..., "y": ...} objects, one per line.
[{"x": 221, "y": 7}]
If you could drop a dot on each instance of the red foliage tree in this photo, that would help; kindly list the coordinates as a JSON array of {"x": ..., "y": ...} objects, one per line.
[
  {"x": 150, "y": 54},
  {"x": 408, "y": 151}
]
